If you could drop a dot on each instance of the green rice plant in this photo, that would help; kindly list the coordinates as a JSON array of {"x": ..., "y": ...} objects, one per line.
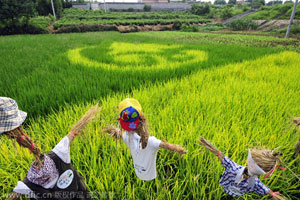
[
  {"x": 236, "y": 106},
  {"x": 237, "y": 91},
  {"x": 55, "y": 76}
]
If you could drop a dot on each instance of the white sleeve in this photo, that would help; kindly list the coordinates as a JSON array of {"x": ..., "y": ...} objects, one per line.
[
  {"x": 62, "y": 150},
  {"x": 154, "y": 142},
  {"x": 21, "y": 188},
  {"x": 125, "y": 137}
]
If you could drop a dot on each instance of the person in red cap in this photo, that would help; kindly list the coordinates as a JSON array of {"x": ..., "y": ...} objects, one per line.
[{"x": 143, "y": 147}]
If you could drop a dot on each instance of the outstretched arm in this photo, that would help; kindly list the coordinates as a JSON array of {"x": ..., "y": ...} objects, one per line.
[
  {"x": 83, "y": 122},
  {"x": 13, "y": 196},
  {"x": 71, "y": 136},
  {"x": 172, "y": 147},
  {"x": 211, "y": 148},
  {"x": 116, "y": 133},
  {"x": 297, "y": 121},
  {"x": 276, "y": 195}
]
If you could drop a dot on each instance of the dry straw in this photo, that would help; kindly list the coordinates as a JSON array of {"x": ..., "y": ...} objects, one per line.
[
  {"x": 209, "y": 146},
  {"x": 25, "y": 141},
  {"x": 278, "y": 196},
  {"x": 265, "y": 158},
  {"x": 142, "y": 130},
  {"x": 116, "y": 133},
  {"x": 297, "y": 122},
  {"x": 89, "y": 115}
]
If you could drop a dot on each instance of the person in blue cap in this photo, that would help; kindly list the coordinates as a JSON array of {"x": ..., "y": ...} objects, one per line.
[{"x": 143, "y": 147}]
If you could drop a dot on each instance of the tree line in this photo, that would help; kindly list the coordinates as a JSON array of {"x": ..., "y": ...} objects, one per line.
[{"x": 15, "y": 14}]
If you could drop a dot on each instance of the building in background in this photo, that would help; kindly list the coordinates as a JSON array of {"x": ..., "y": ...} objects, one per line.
[{"x": 155, "y": 1}]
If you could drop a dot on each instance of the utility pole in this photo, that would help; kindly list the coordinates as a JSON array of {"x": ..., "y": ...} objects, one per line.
[
  {"x": 53, "y": 10},
  {"x": 291, "y": 20}
]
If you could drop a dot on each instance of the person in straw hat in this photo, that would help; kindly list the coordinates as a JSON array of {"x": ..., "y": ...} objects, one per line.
[
  {"x": 52, "y": 175},
  {"x": 238, "y": 180},
  {"x": 143, "y": 147}
]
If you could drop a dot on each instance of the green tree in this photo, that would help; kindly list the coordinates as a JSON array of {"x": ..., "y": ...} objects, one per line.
[
  {"x": 200, "y": 9},
  {"x": 226, "y": 13},
  {"x": 44, "y": 7},
  {"x": 233, "y": 2},
  {"x": 220, "y": 2},
  {"x": 13, "y": 10}
]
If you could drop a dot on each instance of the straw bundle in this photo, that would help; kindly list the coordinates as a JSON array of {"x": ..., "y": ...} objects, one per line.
[
  {"x": 279, "y": 196},
  {"x": 13, "y": 196},
  {"x": 25, "y": 141},
  {"x": 298, "y": 147},
  {"x": 265, "y": 158},
  {"x": 113, "y": 131},
  {"x": 142, "y": 130},
  {"x": 296, "y": 120},
  {"x": 178, "y": 149},
  {"x": 89, "y": 115},
  {"x": 209, "y": 146}
]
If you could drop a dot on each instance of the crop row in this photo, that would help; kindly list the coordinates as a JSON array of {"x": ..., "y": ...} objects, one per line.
[
  {"x": 235, "y": 96},
  {"x": 62, "y": 23}
]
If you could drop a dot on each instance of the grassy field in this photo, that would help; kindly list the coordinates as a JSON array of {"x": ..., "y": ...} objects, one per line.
[{"x": 237, "y": 91}]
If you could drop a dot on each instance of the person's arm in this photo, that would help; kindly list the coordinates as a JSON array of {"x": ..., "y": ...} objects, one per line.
[
  {"x": 13, "y": 196},
  {"x": 83, "y": 122},
  {"x": 71, "y": 136},
  {"x": 172, "y": 147},
  {"x": 276, "y": 195},
  {"x": 212, "y": 148},
  {"x": 116, "y": 133}
]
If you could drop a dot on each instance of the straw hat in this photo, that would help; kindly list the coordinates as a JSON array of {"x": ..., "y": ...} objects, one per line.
[{"x": 10, "y": 116}]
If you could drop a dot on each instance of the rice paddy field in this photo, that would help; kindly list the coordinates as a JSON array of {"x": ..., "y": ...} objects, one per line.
[{"x": 236, "y": 91}]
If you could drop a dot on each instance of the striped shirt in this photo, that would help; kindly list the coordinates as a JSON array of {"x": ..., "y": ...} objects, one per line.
[{"x": 234, "y": 184}]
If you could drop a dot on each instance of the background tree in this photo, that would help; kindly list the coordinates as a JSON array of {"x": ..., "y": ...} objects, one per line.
[
  {"x": 233, "y": 2},
  {"x": 220, "y": 2},
  {"x": 15, "y": 14},
  {"x": 226, "y": 13},
  {"x": 201, "y": 9},
  {"x": 44, "y": 7}
]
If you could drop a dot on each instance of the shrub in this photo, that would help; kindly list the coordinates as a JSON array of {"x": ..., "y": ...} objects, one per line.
[
  {"x": 200, "y": 9},
  {"x": 189, "y": 28},
  {"x": 245, "y": 8},
  {"x": 212, "y": 27},
  {"x": 295, "y": 30},
  {"x": 226, "y": 13},
  {"x": 243, "y": 24},
  {"x": 147, "y": 8},
  {"x": 40, "y": 24},
  {"x": 177, "y": 25}
]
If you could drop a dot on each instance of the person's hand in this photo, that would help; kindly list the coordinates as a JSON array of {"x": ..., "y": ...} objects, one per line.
[
  {"x": 13, "y": 196},
  {"x": 177, "y": 149},
  {"x": 276, "y": 195},
  {"x": 116, "y": 133}
]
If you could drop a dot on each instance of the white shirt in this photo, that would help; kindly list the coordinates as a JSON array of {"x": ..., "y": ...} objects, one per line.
[
  {"x": 62, "y": 150},
  {"x": 144, "y": 160}
]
